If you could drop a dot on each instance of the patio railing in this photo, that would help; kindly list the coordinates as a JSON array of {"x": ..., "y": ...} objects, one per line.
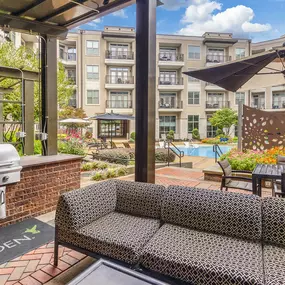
[
  {"x": 116, "y": 79},
  {"x": 170, "y": 80},
  {"x": 278, "y": 105},
  {"x": 67, "y": 56},
  {"x": 171, "y": 105},
  {"x": 216, "y": 58},
  {"x": 119, "y": 104},
  {"x": 217, "y": 105},
  {"x": 110, "y": 54},
  {"x": 259, "y": 105},
  {"x": 171, "y": 56}
]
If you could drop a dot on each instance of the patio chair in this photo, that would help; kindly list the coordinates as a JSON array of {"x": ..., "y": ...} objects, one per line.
[
  {"x": 277, "y": 190},
  {"x": 230, "y": 180},
  {"x": 113, "y": 145},
  {"x": 126, "y": 145}
]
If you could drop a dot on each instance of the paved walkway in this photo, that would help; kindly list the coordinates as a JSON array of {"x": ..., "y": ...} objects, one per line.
[{"x": 35, "y": 267}]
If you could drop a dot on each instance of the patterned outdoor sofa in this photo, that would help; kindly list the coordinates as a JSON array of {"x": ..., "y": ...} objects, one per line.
[{"x": 199, "y": 236}]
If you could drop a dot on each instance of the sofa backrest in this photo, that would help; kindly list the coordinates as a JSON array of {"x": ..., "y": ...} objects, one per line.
[
  {"x": 231, "y": 214},
  {"x": 140, "y": 199},
  {"x": 273, "y": 215},
  {"x": 80, "y": 207}
]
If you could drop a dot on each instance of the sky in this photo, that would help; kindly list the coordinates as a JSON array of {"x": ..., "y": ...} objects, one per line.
[{"x": 258, "y": 20}]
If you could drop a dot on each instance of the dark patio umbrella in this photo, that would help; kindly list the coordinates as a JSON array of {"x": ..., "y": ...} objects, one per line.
[
  {"x": 112, "y": 117},
  {"x": 241, "y": 74}
]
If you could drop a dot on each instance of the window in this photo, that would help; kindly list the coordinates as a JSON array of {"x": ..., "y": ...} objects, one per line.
[
  {"x": 71, "y": 53},
  {"x": 72, "y": 100},
  {"x": 93, "y": 72},
  {"x": 194, "y": 52},
  {"x": 216, "y": 55},
  {"x": 193, "y": 123},
  {"x": 240, "y": 96},
  {"x": 193, "y": 98},
  {"x": 240, "y": 53},
  {"x": 278, "y": 100},
  {"x": 168, "y": 77},
  {"x": 92, "y": 97},
  {"x": 166, "y": 123},
  {"x": 192, "y": 79},
  {"x": 92, "y": 47},
  {"x": 211, "y": 131},
  {"x": 119, "y": 100},
  {"x": 168, "y": 100}
]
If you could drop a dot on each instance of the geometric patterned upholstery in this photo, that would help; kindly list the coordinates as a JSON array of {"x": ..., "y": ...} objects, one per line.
[
  {"x": 273, "y": 213},
  {"x": 203, "y": 258},
  {"x": 78, "y": 208},
  {"x": 231, "y": 214},
  {"x": 274, "y": 264},
  {"x": 139, "y": 199},
  {"x": 116, "y": 235}
]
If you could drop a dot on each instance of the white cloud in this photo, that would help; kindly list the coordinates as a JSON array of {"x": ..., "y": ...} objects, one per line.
[
  {"x": 120, "y": 13},
  {"x": 207, "y": 16},
  {"x": 98, "y": 20},
  {"x": 175, "y": 4}
]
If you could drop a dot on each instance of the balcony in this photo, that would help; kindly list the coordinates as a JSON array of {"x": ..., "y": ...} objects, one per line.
[
  {"x": 217, "y": 58},
  {"x": 170, "y": 83},
  {"x": 278, "y": 105},
  {"x": 171, "y": 60},
  {"x": 68, "y": 58},
  {"x": 258, "y": 105},
  {"x": 119, "y": 82},
  {"x": 121, "y": 58},
  {"x": 210, "y": 105},
  {"x": 213, "y": 87},
  {"x": 172, "y": 106},
  {"x": 119, "y": 106}
]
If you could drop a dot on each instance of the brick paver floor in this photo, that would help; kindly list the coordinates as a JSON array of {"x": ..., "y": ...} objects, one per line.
[{"x": 35, "y": 267}]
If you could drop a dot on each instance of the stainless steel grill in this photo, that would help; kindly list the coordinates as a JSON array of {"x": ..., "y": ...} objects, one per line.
[{"x": 10, "y": 171}]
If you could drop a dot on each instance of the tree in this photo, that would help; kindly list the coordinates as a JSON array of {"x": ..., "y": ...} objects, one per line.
[
  {"x": 74, "y": 113},
  {"x": 224, "y": 119}
]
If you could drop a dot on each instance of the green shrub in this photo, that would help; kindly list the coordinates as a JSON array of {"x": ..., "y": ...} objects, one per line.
[
  {"x": 101, "y": 165},
  {"x": 111, "y": 173},
  {"x": 37, "y": 147},
  {"x": 133, "y": 136},
  {"x": 98, "y": 176},
  {"x": 86, "y": 166},
  {"x": 219, "y": 132},
  {"x": 118, "y": 156},
  {"x": 170, "y": 135},
  {"x": 71, "y": 146},
  {"x": 235, "y": 139},
  {"x": 161, "y": 155},
  {"x": 195, "y": 134},
  {"x": 122, "y": 171}
]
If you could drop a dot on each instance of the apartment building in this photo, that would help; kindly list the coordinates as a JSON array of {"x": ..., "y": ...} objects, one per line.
[{"x": 102, "y": 65}]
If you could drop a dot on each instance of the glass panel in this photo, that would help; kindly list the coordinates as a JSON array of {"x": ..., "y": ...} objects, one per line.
[{"x": 194, "y": 52}]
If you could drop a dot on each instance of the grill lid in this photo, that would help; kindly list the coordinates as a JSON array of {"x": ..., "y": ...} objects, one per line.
[{"x": 8, "y": 156}]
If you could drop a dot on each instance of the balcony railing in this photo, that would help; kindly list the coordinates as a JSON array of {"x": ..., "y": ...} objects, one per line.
[
  {"x": 67, "y": 56},
  {"x": 171, "y": 56},
  {"x": 176, "y": 104},
  {"x": 278, "y": 105},
  {"x": 217, "y": 58},
  {"x": 217, "y": 104},
  {"x": 259, "y": 105},
  {"x": 72, "y": 102},
  {"x": 119, "y": 104},
  {"x": 111, "y": 79},
  {"x": 110, "y": 54},
  {"x": 170, "y": 80}
]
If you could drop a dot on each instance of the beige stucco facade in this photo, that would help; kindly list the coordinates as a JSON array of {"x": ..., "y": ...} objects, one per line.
[{"x": 181, "y": 102}]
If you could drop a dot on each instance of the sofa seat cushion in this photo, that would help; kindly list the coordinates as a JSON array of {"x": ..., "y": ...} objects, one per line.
[
  {"x": 274, "y": 264},
  {"x": 203, "y": 258},
  {"x": 115, "y": 235}
]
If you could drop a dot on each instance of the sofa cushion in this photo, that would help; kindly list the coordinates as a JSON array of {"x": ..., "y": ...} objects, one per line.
[
  {"x": 78, "y": 208},
  {"x": 115, "y": 235},
  {"x": 203, "y": 258},
  {"x": 273, "y": 214},
  {"x": 274, "y": 264},
  {"x": 232, "y": 214},
  {"x": 140, "y": 199}
]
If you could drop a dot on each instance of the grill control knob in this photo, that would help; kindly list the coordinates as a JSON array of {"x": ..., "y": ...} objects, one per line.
[{"x": 5, "y": 179}]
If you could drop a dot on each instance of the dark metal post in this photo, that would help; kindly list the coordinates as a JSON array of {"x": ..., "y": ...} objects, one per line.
[
  {"x": 240, "y": 111},
  {"x": 145, "y": 90},
  {"x": 29, "y": 116},
  {"x": 49, "y": 94}
]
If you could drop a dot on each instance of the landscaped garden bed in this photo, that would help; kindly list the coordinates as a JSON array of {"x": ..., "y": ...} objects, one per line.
[{"x": 247, "y": 160}]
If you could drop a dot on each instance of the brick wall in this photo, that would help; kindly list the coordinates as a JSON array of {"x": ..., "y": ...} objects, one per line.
[{"x": 38, "y": 191}]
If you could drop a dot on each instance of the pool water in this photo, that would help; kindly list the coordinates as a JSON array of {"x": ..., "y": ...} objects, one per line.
[{"x": 205, "y": 151}]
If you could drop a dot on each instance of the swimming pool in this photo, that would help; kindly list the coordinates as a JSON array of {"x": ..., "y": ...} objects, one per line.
[{"x": 205, "y": 151}]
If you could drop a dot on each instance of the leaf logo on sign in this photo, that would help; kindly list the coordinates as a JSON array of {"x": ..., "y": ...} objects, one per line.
[{"x": 32, "y": 230}]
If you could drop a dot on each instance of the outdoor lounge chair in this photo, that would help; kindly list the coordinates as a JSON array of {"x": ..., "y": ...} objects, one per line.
[
  {"x": 126, "y": 145},
  {"x": 233, "y": 181},
  {"x": 113, "y": 145}
]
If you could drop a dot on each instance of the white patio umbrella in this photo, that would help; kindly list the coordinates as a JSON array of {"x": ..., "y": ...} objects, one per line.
[{"x": 74, "y": 121}]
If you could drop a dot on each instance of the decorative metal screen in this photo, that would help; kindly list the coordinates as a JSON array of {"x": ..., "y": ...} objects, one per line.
[{"x": 262, "y": 130}]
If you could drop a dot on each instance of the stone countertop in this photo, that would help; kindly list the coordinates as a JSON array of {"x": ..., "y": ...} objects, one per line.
[{"x": 36, "y": 160}]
